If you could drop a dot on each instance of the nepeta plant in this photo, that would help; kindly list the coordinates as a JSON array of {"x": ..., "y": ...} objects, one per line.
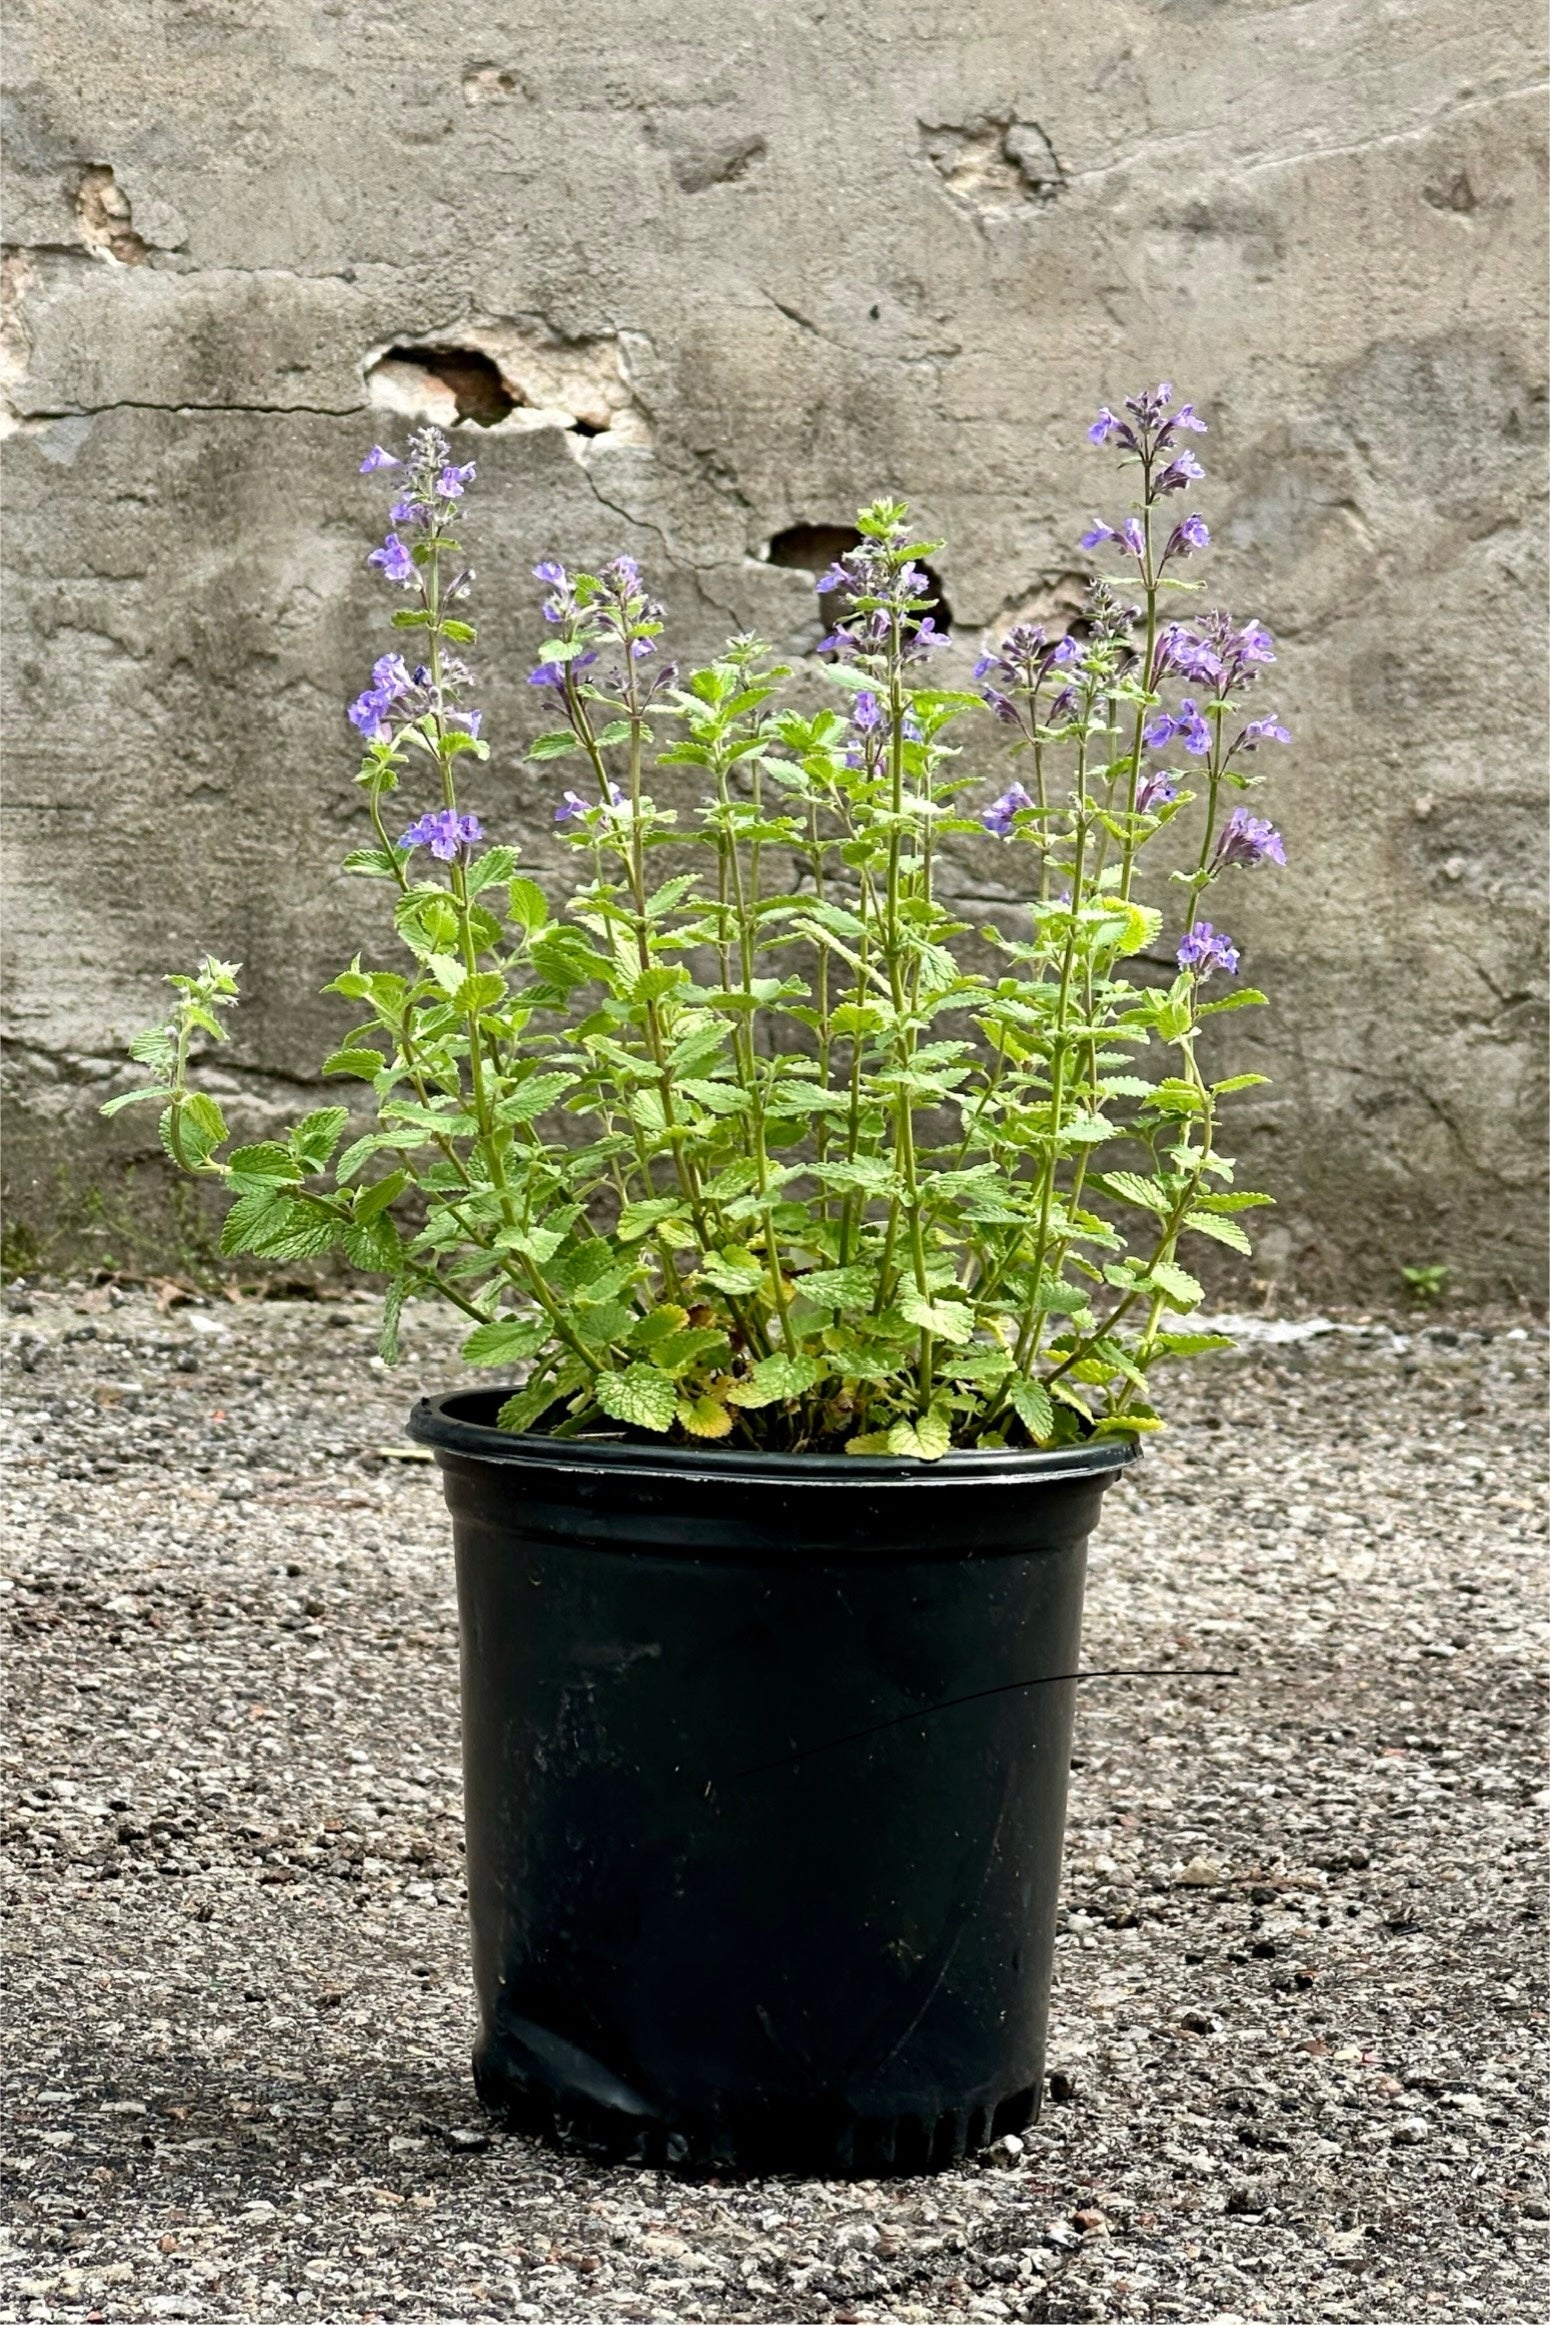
[{"x": 744, "y": 1139}]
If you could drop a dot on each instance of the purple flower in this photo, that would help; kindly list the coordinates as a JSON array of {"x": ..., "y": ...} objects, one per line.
[
  {"x": 1097, "y": 534},
  {"x": 835, "y": 579},
  {"x": 1268, "y": 730},
  {"x": 395, "y": 561},
  {"x": 1206, "y": 950},
  {"x": 551, "y": 571},
  {"x": 1179, "y": 649},
  {"x": 369, "y": 712},
  {"x": 1254, "y": 643},
  {"x": 378, "y": 458},
  {"x": 1184, "y": 469},
  {"x": 868, "y": 712},
  {"x": 1186, "y": 723},
  {"x": 553, "y": 673},
  {"x": 452, "y": 479},
  {"x": 1105, "y": 426},
  {"x": 1187, "y": 417},
  {"x": 571, "y": 806},
  {"x": 469, "y": 722},
  {"x": 1000, "y": 815},
  {"x": 622, "y": 574},
  {"x": 1154, "y": 791},
  {"x": 1248, "y": 840},
  {"x": 409, "y": 511},
  {"x": 390, "y": 674},
  {"x": 1191, "y": 532},
  {"x": 443, "y": 833}
]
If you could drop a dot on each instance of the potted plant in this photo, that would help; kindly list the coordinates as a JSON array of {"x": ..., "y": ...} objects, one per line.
[{"x": 827, "y": 1246}]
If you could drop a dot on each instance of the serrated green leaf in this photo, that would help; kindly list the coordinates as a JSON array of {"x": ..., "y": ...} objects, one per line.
[
  {"x": 317, "y": 1135},
  {"x": 1031, "y": 1403},
  {"x": 640, "y": 1395},
  {"x": 536, "y": 1096},
  {"x": 949, "y": 1320},
  {"x": 774, "y": 1379},
  {"x": 365, "y": 1065},
  {"x": 507, "y": 1340},
  {"x": 732, "y": 1270},
  {"x": 369, "y": 1201},
  {"x": 853, "y": 1287},
  {"x": 1179, "y": 1288},
  {"x": 529, "y": 905},
  {"x": 267, "y": 1161},
  {"x": 554, "y": 745},
  {"x": 1224, "y": 1231},
  {"x": 392, "y": 1315}
]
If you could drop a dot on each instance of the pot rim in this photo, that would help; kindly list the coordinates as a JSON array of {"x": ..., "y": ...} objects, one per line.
[{"x": 436, "y": 1422}]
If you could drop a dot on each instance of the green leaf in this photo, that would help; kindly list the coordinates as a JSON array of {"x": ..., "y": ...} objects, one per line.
[
  {"x": 365, "y": 1065},
  {"x": 689, "y": 1350},
  {"x": 1237, "y": 1082},
  {"x": 207, "y": 1118},
  {"x": 949, "y": 1320},
  {"x": 534, "y": 1097},
  {"x": 533, "y": 1402},
  {"x": 667, "y": 1319},
  {"x": 1246, "y": 998},
  {"x": 267, "y": 1161},
  {"x": 376, "y": 1198},
  {"x": 872, "y": 1442},
  {"x": 732, "y": 1270},
  {"x": 461, "y": 633},
  {"x": 1031, "y": 1403},
  {"x": 1130, "y": 1187},
  {"x": 774, "y": 1379},
  {"x": 1190, "y": 1344},
  {"x": 1225, "y": 1231},
  {"x": 638, "y": 1219},
  {"x": 1178, "y": 1287},
  {"x": 839, "y": 1287},
  {"x": 132, "y": 1098},
  {"x": 248, "y": 1217},
  {"x": 375, "y": 862},
  {"x": 554, "y": 745},
  {"x": 392, "y": 1313},
  {"x": 315, "y": 1138},
  {"x": 506, "y": 1340},
  {"x": 529, "y": 905},
  {"x": 372, "y": 1244},
  {"x": 640, "y": 1395}
]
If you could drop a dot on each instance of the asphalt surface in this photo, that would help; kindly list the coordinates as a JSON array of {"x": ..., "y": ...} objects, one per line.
[{"x": 1296, "y": 2023}]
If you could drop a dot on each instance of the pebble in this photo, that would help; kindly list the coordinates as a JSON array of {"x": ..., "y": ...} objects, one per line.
[{"x": 1297, "y": 2016}]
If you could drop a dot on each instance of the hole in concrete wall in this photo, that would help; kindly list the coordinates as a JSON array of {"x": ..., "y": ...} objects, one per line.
[
  {"x": 102, "y": 216},
  {"x": 994, "y": 162},
  {"x": 814, "y": 548},
  {"x": 718, "y": 165},
  {"x": 472, "y": 380},
  {"x": 519, "y": 372}
]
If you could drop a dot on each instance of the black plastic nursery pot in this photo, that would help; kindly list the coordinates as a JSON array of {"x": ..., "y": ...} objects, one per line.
[{"x": 765, "y": 1763}]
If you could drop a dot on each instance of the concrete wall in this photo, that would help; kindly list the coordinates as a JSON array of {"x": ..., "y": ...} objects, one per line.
[{"x": 739, "y": 266}]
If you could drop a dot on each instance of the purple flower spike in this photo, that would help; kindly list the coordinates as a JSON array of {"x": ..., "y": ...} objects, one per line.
[
  {"x": 867, "y": 714},
  {"x": 452, "y": 480},
  {"x": 999, "y": 817},
  {"x": 390, "y": 673},
  {"x": 443, "y": 833},
  {"x": 1205, "y": 950},
  {"x": 394, "y": 561},
  {"x": 1154, "y": 791},
  {"x": 1248, "y": 840},
  {"x": 571, "y": 806},
  {"x": 379, "y": 458}
]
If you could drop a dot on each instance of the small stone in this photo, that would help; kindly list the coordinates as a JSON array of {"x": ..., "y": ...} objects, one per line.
[
  {"x": 1199, "y": 1874},
  {"x": 1408, "y": 2131},
  {"x": 1245, "y": 2198},
  {"x": 1062, "y": 2087}
]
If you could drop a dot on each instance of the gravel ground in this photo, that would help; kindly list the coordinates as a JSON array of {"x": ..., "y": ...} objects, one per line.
[{"x": 1294, "y": 2026}]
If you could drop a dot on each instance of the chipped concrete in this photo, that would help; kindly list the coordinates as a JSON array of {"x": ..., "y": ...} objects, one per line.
[{"x": 734, "y": 272}]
